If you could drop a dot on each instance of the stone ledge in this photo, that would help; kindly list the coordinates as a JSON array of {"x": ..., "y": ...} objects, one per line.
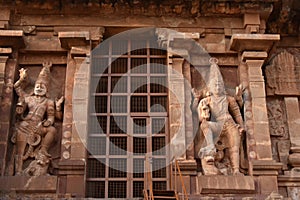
[
  {"x": 289, "y": 180},
  {"x": 253, "y": 42},
  {"x": 28, "y": 184},
  {"x": 73, "y": 38},
  {"x": 11, "y": 38},
  {"x": 266, "y": 167},
  {"x": 218, "y": 184},
  {"x": 187, "y": 167},
  {"x": 71, "y": 167},
  {"x": 254, "y": 55}
]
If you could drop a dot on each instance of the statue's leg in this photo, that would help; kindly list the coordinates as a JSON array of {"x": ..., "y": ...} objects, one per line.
[
  {"x": 208, "y": 134},
  {"x": 234, "y": 146},
  {"x": 207, "y": 153},
  {"x": 21, "y": 143},
  {"x": 50, "y": 133}
]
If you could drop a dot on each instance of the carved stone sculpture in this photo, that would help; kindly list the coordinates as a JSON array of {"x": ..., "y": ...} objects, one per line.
[
  {"x": 221, "y": 124},
  {"x": 35, "y": 132},
  {"x": 281, "y": 75},
  {"x": 39, "y": 166}
]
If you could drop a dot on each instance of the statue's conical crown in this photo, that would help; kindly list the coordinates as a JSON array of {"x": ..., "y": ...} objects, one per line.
[{"x": 44, "y": 76}]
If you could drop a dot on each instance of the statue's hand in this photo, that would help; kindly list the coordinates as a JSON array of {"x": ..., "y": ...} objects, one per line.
[
  {"x": 239, "y": 91},
  {"x": 58, "y": 103},
  {"x": 47, "y": 123},
  {"x": 23, "y": 73},
  {"x": 47, "y": 64},
  {"x": 241, "y": 130}
]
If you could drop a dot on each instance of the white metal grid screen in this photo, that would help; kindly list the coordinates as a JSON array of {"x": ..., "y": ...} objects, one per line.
[{"x": 129, "y": 115}]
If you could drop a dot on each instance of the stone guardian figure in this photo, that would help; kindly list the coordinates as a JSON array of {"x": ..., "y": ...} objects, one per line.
[
  {"x": 35, "y": 132},
  {"x": 221, "y": 124}
]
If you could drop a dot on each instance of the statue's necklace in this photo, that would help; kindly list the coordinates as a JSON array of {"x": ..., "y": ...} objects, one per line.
[{"x": 39, "y": 99}]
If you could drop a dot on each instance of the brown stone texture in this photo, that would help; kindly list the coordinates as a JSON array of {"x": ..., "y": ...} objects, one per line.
[
  {"x": 25, "y": 184},
  {"x": 267, "y": 184},
  {"x": 226, "y": 184},
  {"x": 257, "y": 45}
]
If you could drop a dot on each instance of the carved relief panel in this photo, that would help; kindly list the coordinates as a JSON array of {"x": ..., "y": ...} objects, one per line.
[
  {"x": 38, "y": 118},
  {"x": 282, "y": 75},
  {"x": 278, "y": 130}
]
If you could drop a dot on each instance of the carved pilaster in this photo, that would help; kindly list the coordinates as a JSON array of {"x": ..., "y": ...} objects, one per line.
[
  {"x": 75, "y": 128},
  {"x": 188, "y": 112},
  {"x": 176, "y": 109},
  {"x": 178, "y": 43},
  {"x": 253, "y": 49},
  {"x": 293, "y": 119},
  {"x": 10, "y": 41}
]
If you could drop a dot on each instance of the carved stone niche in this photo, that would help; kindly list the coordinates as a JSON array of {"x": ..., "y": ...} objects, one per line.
[
  {"x": 55, "y": 90},
  {"x": 277, "y": 118},
  {"x": 282, "y": 76},
  {"x": 278, "y": 130}
]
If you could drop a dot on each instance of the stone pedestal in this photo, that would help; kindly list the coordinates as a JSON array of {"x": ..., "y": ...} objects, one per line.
[
  {"x": 31, "y": 187},
  {"x": 219, "y": 184},
  {"x": 188, "y": 174}
]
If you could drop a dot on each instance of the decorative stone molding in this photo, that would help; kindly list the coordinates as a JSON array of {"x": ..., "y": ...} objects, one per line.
[
  {"x": 187, "y": 8},
  {"x": 176, "y": 42}
]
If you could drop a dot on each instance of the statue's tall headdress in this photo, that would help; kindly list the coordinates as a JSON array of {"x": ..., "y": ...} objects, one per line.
[
  {"x": 214, "y": 72},
  {"x": 44, "y": 76}
]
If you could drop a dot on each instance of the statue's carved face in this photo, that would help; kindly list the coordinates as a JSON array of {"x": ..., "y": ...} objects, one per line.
[
  {"x": 40, "y": 89},
  {"x": 217, "y": 87}
]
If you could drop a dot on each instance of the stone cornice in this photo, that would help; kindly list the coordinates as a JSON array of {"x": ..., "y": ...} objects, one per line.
[
  {"x": 12, "y": 38},
  {"x": 253, "y": 42},
  {"x": 183, "y": 8}
]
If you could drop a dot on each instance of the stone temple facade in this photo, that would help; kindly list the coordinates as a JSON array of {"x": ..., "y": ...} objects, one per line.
[{"x": 104, "y": 99}]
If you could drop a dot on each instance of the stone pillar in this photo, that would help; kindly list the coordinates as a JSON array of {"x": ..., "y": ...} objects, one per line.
[
  {"x": 11, "y": 41},
  {"x": 189, "y": 133},
  {"x": 6, "y": 97},
  {"x": 293, "y": 119},
  {"x": 253, "y": 50},
  {"x": 180, "y": 115},
  {"x": 74, "y": 130},
  {"x": 176, "y": 109},
  {"x": 256, "y": 86}
]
